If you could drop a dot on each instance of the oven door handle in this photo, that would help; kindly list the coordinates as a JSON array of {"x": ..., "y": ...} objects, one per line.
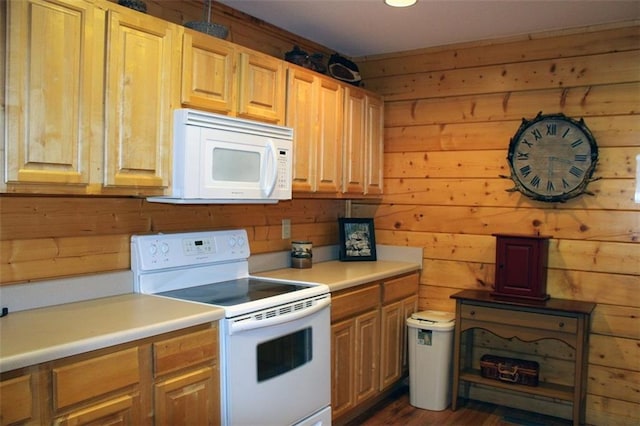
[{"x": 252, "y": 324}]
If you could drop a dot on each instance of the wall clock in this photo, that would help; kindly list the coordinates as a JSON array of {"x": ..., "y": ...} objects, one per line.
[{"x": 552, "y": 158}]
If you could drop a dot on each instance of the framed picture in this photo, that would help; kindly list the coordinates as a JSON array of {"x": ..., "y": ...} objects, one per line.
[{"x": 357, "y": 239}]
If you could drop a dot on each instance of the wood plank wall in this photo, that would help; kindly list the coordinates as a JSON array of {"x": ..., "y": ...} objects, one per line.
[{"x": 449, "y": 115}]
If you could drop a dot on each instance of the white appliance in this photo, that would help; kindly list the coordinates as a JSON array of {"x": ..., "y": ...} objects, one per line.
[
  {"x": 275, "y": 336},
  {"x": 220, "y": 159}
]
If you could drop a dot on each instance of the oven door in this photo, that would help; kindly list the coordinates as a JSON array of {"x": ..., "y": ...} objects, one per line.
[{"x": 277, "y": 373}]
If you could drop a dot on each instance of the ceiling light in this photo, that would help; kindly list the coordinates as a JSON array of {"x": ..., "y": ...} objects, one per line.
[{"x": 400, "y": 3}]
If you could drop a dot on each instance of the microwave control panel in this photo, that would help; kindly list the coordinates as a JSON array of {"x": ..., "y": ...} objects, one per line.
[{"x": 284, "y": 180}]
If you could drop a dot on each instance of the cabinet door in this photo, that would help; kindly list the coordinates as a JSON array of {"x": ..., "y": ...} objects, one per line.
[
  {"x": 354, "y": 142},
  {"x": 18, "y": 400},
  {"x": 374, "y": 150},
  {"x": 53, "y": 73},
  {"x": 262, "y": 87},
  {"x": 302, "y": 117},
  {"x": 330, "y": 138},
  {"x": 208, "y": 66},
  {"x": 367, "y": 354},
  {"x": 392, "y": 331},
  {"x": 342, "y": 367},
  {"x": 187, "y": 399},
  {"x": 120, "y": 410},
  {"x": 140, "y": 84}
]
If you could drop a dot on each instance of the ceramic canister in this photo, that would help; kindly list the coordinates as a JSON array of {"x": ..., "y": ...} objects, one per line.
[{"x": 301, "y": 254}]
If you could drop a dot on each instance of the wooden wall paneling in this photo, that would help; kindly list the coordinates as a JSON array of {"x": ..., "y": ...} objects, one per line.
[
  {"x": 529, "y": 47},
  {"x": 606, "y": 411},
  {"x": 580, "y": 71},
  {"x": 446, "y": 138},
  {"x": 48, "y": 237},
  {"x": 585, "y": 101},
  {"x": 601, "y": 225},
  {"x": 609, "y": 131}
]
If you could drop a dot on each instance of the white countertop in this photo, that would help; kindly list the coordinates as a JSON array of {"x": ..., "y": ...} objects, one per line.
[
  {"x": 33, "y": 336},
  {"x": 340, "y": 275},
  {"x": 39, "y": 335}
]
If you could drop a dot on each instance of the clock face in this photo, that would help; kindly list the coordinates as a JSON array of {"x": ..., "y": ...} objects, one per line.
[{"x": 552, "y": 157}]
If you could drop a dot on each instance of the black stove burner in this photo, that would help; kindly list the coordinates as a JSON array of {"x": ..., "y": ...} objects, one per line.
[{"x": 234, "y": 292}]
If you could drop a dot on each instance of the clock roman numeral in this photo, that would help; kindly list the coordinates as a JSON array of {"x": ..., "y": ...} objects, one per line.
[
  {"x": 536, "y": 134},
  {"x": 550, "y": 186},
  {"x": 565, "y": 184},
  {"x": 566, "y": 132},
  {"x": 551, "y": 129},
  {"x": 535, "y": 181},
  {"x": 576, "y": 171},
  {"x": 527, "y": 143},
  {"x": 526, "y": 170},
  {"x": 576, "y": 143},
  {"x": 523, "y": 155},
  {"x": 581, "y": 157}
]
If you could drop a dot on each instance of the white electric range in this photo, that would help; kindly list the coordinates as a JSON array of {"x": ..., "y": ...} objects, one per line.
[{"x": 275, "y": 337}]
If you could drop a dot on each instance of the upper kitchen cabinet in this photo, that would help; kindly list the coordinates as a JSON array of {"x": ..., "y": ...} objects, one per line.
[
  {"x": 363, "y": 143},
  {"x": 142, "y": 74},
  {"x": 90, "y": 93},
  {"x": 374, "y": 146},
  {"x": 314, "y": 110},
  {"x": 225, "y": 78},
  {"x": 208, "y": 67},
  {"x": 53, "y": 93},
  {"x": 262, "y": 85}
]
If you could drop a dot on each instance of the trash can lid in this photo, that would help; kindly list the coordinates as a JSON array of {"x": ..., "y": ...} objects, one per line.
[{"x": 434, "y": 316}]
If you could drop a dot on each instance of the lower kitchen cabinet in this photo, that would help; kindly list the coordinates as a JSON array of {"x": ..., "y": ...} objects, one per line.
[
  {"x": 166, "y": 380},
  {"x": 368, "y": 342},
  {"x": 186, "y": 386},
  {"x": 399, "y": 301},
  {"x": 19, "y": 402},
  {"x": 354, "y": 341}
]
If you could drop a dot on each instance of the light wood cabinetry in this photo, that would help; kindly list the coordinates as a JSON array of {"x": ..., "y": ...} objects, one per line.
[
  {"x": 141, "y": 88},
  {"x": 186, "y": 379},
  {"x": 91, "y": 90},
  {"x": 338, "y": 141},
  {"x": 19, "y": 400},
  {"x": 363, "y": 143},
  {"x": 314, "y": 110},
  {"x": 225, "y": 78},
  {"x": 99, "y": 389},
  {"x": 354, "y": 141},
  {"x": 564, "y": 321},
  {"x": 167, "y": 380},
  {"x": 208, "y": 67},
  {"x": 355, "y": 342},
  {"x": 399, "y": 301},
  {"x": 54, "y": 79},
  {"x": 368, "y": 342}
]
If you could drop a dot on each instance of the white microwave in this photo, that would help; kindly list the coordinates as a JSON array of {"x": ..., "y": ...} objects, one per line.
[{"x": 220, "y": 159}]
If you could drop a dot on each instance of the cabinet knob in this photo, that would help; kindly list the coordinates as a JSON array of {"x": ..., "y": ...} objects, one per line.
[
  {"x": 561, "y": 324},
  {"x": 472, "y": 313}
]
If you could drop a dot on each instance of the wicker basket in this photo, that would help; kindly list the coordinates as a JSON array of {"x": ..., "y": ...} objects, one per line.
[
  {"x": 206, "y": 26},
  {"x": 210, "y": 28}
]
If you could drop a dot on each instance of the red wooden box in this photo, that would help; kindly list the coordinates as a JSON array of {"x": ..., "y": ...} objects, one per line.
[{"x": 510, "y": 370}]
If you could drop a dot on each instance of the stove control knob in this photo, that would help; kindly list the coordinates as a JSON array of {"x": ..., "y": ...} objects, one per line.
[
  {"x": 164, "y": 248},
  {"x": 232, "y": 241},
  {"x": 153, "y": 249},
  {"x": 240, "y": 241}
]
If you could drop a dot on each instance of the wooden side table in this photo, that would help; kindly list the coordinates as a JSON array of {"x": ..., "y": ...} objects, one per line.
[{"x": 564, "y": 320}]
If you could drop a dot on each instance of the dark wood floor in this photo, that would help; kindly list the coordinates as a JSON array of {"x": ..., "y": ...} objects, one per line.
[{"x": 397, "y": 411}]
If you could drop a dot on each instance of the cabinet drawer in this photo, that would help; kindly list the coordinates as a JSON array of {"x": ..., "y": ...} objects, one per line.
[
  {"x": 399, "y": 288},
  {"x": 349, "y": 302},
  {"x": 185, "y": 351},
  {"x": 86, "y": 379},
  {"x": 520, "y": 318}
]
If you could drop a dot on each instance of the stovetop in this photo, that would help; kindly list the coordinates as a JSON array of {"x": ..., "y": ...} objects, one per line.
[
  {"x": 211, "y": 268},
  {"x": 234, "y": 292}
]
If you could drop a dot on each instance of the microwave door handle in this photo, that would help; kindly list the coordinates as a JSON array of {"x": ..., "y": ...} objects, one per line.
[{"x": 270, "y": 160}]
